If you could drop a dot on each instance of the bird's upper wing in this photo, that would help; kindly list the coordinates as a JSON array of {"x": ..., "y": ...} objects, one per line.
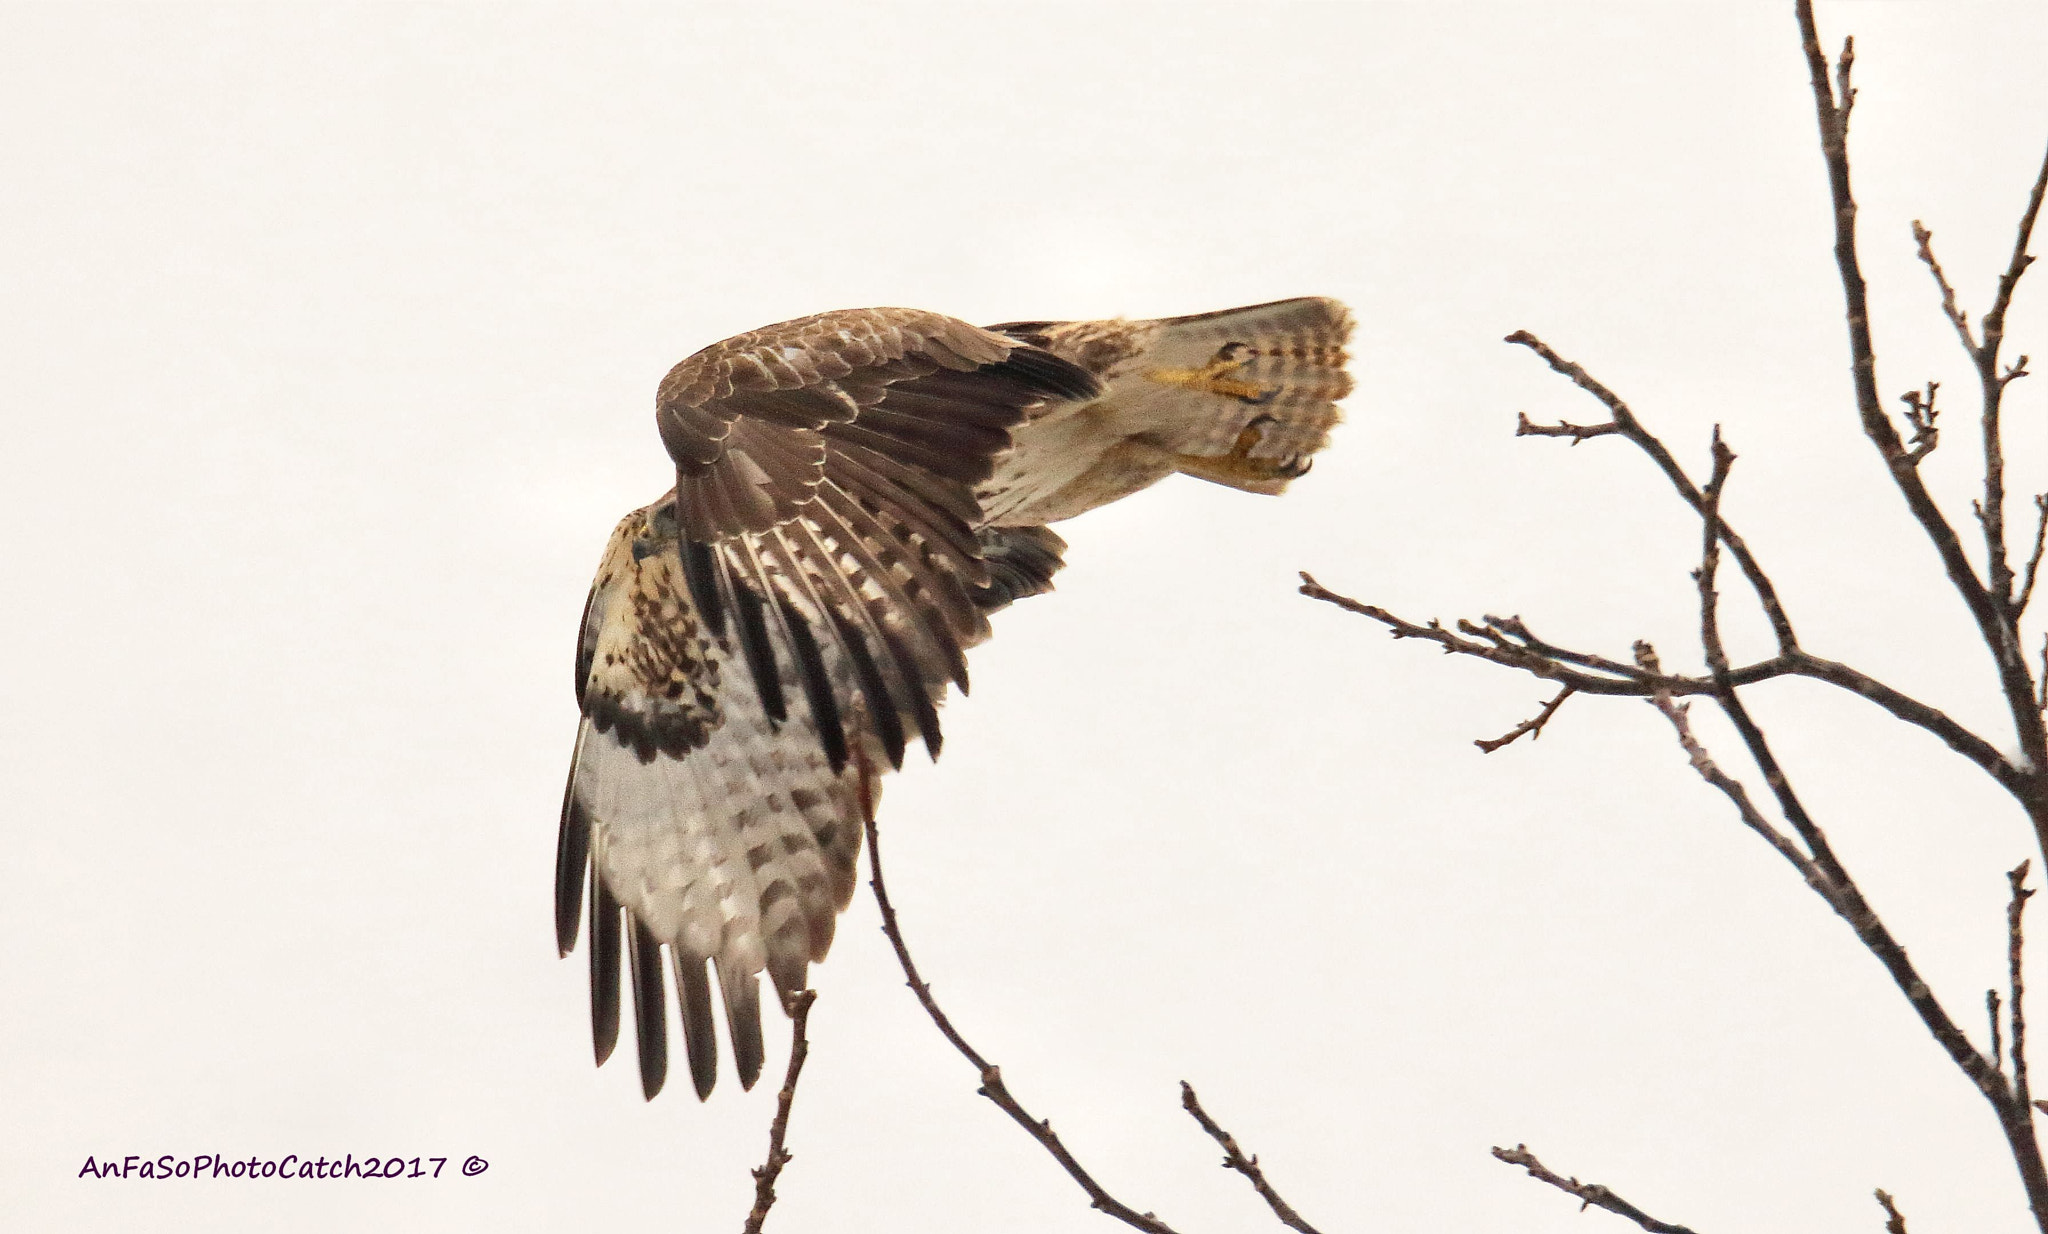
[{"x": 822, "y": 534}]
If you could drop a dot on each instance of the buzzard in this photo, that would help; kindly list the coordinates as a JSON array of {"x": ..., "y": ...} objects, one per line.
[{"x": 855, "y": 493}]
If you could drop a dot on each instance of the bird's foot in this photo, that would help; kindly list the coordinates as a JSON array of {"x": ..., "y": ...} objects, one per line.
[
  {"x": 1239, "y": 469},
  {"x": 1215, "y": 377}
]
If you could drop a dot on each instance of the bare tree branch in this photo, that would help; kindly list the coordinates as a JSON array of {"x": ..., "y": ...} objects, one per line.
[
  {"x": 1510, "y": 643},
  {"x": 1507, "y": 643},
  {"x": 799, "y": 1007},
  {"x": 1628, "y": 426},
  {"x": 1995, "y": 602},
  {"x": 1894, "y": 1220},
  {"x": 1912, "y": 711},
  {"x": 1532, "y": 727},
  {"x": 1816, "y": 862},
  {"x": 2019, "y": 604},
  {"x": 992, "y": 1086},
  {"x": 1234, "y": 1159},
  {"x": 1837, "y": 887},
  {"x": 1791, "y": 657},
  {"x": 1590, "y": 1195},
  {"x": 1989, "y": 605}
]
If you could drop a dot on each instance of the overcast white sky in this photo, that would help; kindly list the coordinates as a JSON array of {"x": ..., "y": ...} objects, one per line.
[{"x": 326, "y": 357}]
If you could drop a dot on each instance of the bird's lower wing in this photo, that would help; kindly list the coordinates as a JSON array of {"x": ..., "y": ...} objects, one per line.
[{"x": 762, "y": 642}]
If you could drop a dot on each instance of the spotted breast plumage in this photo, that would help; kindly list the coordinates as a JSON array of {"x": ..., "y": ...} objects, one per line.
[{"x": 855, "y": 493}]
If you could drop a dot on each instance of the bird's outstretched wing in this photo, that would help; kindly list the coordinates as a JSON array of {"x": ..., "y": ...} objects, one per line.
[{"x": 822, "y": 547}]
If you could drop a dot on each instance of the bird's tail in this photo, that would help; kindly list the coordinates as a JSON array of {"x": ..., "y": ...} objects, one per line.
[{"x": 1261, "y": 384}]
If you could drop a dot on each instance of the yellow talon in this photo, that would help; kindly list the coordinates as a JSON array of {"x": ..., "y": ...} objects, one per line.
[{"x": 1214, "y": 378}]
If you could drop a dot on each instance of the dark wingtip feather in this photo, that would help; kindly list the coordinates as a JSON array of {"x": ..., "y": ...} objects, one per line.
[
  {"x": 1021, "y": 562},
  {"x": 743, "y": 1020},
  {"x": 700, "y": 572},
  {"x": 1032, "y": 332},
  {"x": 880, "y": 706},
  {"x": 749, "y": 609},
  {"x": 586, "y": 648},
  {"x": 700, "y": 1038},
  {"x": 817, "y": 685},
  {"x": 650, "y": 1017},
  {"x": 572, "y": 858},
  {"x": 1044, "y": 373},
  {"x": 604, "y": 969},
  {"x": 921, "y": 707}
]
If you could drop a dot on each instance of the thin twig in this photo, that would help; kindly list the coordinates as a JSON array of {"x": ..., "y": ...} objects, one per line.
[
  {"x": 799, "y": 1007},
  {"x": 1994, "y": 320},
  {"x": 1957, "y": 317},
  {"x": 1990, "y": 510},
  {"x": 1991, "y": 1009},
  {"x": 2019, "y": 604},
  {"x": 1515, "y": 630},
  {"x": 1987, "y": 365},
  {"x": 1525, "y": 427},
  {"x": 992, "y": 1086},
  {"x": 1710, "y": 560},
  {"x": 2016, "y": 1007},
  {"x": 1894, "y": 1220},
  {"x": 1922, "y": 414},
  {"x": 1234, "y": 1159},
  {"x": 1590, "y": 1195},
  {"x": 1533, "y": 727}
]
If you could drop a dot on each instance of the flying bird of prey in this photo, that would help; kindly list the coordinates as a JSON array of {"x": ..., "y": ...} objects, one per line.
[{"x": 855, "y": 492}]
